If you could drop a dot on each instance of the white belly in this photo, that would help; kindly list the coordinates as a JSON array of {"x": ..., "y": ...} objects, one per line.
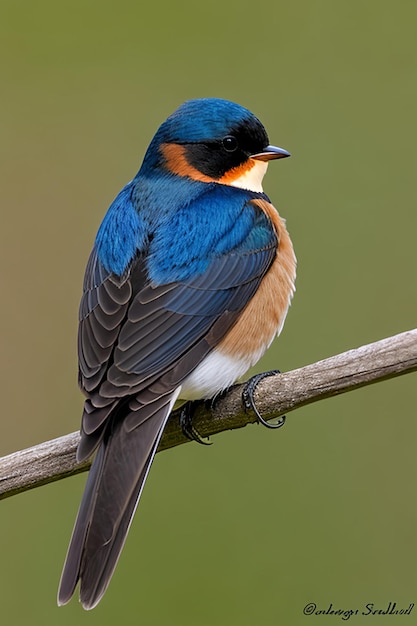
[{"x": 216, "y": 373}]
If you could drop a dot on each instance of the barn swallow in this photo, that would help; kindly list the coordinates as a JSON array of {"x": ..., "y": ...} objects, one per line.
[{"x": 189, "y": 281}]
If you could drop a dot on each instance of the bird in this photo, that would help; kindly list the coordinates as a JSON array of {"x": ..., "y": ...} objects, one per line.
[{"x": 189, "y": 280}]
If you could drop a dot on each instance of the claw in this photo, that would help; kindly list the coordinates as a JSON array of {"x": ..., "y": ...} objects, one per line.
[
  {"x": 187, "y": 426},
  {"x": 249, "y": 400}
]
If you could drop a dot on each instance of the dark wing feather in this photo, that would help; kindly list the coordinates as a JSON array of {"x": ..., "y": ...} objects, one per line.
[
  {"x": 103, "y": 308},
  {"x": 162, "y": 325}
]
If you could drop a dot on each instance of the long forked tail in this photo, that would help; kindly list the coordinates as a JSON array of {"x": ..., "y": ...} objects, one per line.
[{"x": 110, "y": 498}]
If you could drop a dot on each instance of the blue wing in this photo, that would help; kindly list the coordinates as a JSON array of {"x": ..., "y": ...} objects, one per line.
[
  {"x": 134, "y": 331},
  {"x": 140, "y": 334}
]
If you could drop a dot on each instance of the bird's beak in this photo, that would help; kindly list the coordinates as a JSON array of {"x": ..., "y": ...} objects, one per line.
[{"x": 270, "y": 152}]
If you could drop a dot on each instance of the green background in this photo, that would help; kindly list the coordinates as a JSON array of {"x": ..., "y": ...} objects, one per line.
[{"x": 252, "y": 529}]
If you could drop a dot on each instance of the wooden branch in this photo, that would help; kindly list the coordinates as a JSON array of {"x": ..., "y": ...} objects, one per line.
[{"x": 275, "y": 396}]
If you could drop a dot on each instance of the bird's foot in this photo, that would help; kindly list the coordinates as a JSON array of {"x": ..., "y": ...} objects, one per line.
[
  {"x": 249, "y": 400},
  {"x": 186, "y": 422}
]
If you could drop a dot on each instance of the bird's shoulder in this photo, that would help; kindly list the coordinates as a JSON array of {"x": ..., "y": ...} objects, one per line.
[
  {"x": 180, "y": 227},
  {"x": 220, "y": 222}
]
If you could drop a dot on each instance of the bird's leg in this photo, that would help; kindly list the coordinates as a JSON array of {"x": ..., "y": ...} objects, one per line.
[
  {"x": 249, "y": 400},
  {"x": 186, "y": 422}
]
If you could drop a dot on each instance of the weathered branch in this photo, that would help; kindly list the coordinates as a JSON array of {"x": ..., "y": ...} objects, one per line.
[{"x": 275, "y": 396}]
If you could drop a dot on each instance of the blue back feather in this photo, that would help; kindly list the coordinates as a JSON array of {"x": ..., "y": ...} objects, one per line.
[
  {"x": 178, "y": 226},
  {"x": 184, "y": 245},
  {"x": 121, "y": 234}
]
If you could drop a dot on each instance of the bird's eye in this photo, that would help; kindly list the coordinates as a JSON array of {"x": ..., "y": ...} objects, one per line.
[{"x": 230, "y": 143}]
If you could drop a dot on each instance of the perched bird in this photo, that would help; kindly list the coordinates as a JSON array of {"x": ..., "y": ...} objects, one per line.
[{"x": 190, "y": 279}]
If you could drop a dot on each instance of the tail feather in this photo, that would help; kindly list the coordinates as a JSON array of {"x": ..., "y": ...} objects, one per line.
[
  {"x": 111, "y": 495},
  {"x": 71, "y": 571}
]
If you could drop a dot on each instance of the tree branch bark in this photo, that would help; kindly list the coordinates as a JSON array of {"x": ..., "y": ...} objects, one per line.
[{"x": 275, "y": 396}]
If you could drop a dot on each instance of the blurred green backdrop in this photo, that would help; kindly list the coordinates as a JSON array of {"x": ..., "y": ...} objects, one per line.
[{"x": 252, "y": 529}]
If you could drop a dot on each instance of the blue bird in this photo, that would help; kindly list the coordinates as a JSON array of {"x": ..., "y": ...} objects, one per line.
[{"x": 189, "y": 281}]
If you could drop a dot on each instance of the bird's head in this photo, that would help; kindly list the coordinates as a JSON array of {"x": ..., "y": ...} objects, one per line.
[{"x": 213, "y": 140}]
